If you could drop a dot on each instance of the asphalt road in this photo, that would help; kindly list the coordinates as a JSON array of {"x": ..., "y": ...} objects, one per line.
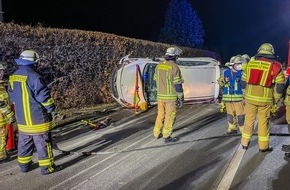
[{"x": 126, "y": 156}]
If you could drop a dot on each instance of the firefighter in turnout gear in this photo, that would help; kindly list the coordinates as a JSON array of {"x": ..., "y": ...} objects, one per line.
[
  {"x": 6, "y": 117},
  {"x": 169, "y": 92},
  {"x": 33, "y": 108},
  {"x": 230, "y": 81},
  {"x": 286, "y": 102},
  {"x": 263, "y": 82},
  {"x": 245, "y": 62},
  {"x": 11, "y": 125}
]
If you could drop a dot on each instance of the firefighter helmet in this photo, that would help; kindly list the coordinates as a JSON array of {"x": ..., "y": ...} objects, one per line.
[
  {"x": 232, "y": 58},
  {"x": 29, "y": 55},
  {"x": 173, "y": 51},
  {"x": 267, "y": 49},
  {"x": 246, "y": 56},
  {"x": 238, "y": 60}
]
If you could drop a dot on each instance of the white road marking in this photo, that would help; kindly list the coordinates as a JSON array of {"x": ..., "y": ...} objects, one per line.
[
  {"x": 233, "y": 166},
  {"x": 232, "y": 169},
  {"x": 70, "y": 178}
]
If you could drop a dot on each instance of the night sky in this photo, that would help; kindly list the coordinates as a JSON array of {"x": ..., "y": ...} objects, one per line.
[{"x": 231, "y": 27}]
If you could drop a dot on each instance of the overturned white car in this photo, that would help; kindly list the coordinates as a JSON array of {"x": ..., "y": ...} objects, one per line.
[{"x": 132, "y": 84}]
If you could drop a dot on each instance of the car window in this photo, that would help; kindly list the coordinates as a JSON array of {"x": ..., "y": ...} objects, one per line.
[
  {"x": 192, "y": 63},
  {"x": 150, "y": 89}
]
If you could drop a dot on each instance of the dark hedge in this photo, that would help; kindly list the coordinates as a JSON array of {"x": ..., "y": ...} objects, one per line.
[{"x": 77, "y": 64}]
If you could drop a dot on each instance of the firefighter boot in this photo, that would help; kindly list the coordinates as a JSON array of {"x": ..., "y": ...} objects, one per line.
[
  {"x": 286, "y": 147},
  {"x": 3, "y": 156},
  {"x": 269, "y": 149},
  {"x": 232, "y": 129},
  {"x": 287, "y": 154},
  {"x": 171, "y": 139}
]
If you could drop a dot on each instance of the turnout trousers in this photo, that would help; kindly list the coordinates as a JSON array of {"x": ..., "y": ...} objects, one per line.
[
  {"x": 263, "y": 114},
  {"x": 235, "y": 115},
  {"x": 288, "y": 114},
  {"x": 42, "y": 143},
  {"x": 3, "y": 134},
  {"x": 165, "y": 118}
]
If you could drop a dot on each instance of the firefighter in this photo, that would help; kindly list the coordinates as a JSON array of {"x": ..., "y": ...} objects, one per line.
[
  {"x": 230, "y": 81},
  {"x": 169, "y": 91},
  {"x": 6, "y": 115},
  {"x": 33, "y": 108},
  {"x": 246, "y": 60},
  {"x": 286, "y": 147},
  {"x": 11, "y": 126},
  {"x": 263, "y": 82}
]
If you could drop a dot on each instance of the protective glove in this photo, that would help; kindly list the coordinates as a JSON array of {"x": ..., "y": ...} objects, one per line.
[
  {"x": 274, "y": 109},
  {"x": 221, "y": 81},
  {"x": 223, "y": 107},
  {"x": 180, "y": 103}
]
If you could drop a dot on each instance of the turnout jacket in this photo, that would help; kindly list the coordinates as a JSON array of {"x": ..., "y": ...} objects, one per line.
[
  {"x": 263, "y": 81},
  {"x": 169, "y": 81},
  {"x": 32, "y": 100}
]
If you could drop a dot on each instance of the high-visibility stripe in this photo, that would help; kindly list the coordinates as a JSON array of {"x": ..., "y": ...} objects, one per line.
[
  {"x": 24, "y": 159},
  {"x": 264, "y": 139},
  {"x": 246, "y": 136},
  {"x": 17, "y": 78},
  {"x": 169, "y": 85},
  {"x": 44, "y": 162},
  {"x": 265, "y": 97},
  {"x": 35, "y": 129},
  {"x": 48, "y": 102},
  {"x": 177, "y": 80},
  {"x": 162, "y": 66},
  {"x": 257, "y": 98},
  {"x": 167, "y": 97}
]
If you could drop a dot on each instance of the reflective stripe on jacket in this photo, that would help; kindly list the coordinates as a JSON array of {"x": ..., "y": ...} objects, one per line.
[
  {"x": 258, "y": 74},
  {"x": 232, "y": 91},
  {"x": 5, "y": 105},
  {"x": 166, "y": 75},
  {"x": 32, "y": 100}
]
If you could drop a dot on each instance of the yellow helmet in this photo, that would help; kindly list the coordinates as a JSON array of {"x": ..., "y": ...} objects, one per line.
[
  {"x": 247, "y": 57},
  {"x": 267, "y": 49},
  {"x": 238, "y": 60}
]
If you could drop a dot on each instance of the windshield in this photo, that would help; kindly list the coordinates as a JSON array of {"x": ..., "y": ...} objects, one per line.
[
  {"x": 150, "y": 90},
  {"x": 191, "y": 63}
]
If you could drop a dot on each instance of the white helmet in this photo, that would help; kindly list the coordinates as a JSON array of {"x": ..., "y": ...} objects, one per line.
[
  {"x": 173, "y": 51},
  {"x": 29, "y": 55}
]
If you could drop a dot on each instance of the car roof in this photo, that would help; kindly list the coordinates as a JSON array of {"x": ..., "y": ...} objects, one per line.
[{"x": 182, "y": 61}]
